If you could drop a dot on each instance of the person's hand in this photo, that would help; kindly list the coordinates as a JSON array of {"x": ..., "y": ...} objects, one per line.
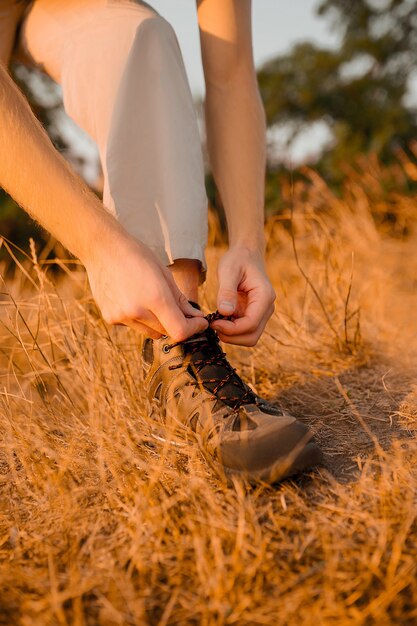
[
  {"x": 132, "y": 287},
  {"x": 246, "y": 294}
]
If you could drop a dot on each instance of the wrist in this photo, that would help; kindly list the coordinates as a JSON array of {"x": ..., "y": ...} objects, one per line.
[
  {"x": 247, "y": 236},
  {"x": 250, "y": 245},
  {"x": 248, "y": 254}
]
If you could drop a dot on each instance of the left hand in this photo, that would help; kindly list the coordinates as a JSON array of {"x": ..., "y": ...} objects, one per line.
[{"x": 246, "y": 294}]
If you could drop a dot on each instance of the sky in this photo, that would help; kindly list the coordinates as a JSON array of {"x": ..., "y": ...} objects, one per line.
[{"x": 277, "y": 25}]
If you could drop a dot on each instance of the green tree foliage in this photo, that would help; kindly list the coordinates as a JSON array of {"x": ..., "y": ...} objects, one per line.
[{"x": 359, "y": 90}]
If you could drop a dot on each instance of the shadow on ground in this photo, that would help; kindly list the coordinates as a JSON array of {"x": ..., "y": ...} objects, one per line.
[{"x": 345, "y": 427}]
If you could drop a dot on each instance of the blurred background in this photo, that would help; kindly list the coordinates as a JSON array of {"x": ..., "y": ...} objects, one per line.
[{"x": 338, "y": 80}]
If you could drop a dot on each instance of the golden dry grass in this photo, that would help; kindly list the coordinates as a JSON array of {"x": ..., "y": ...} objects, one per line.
[{"x": 100, "y": 524}]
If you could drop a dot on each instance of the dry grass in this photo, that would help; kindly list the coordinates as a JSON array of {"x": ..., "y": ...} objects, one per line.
[{"x": 102, "y": 525}]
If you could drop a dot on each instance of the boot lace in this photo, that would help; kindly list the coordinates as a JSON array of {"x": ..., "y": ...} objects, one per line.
[{"x": 223, "y": 375}]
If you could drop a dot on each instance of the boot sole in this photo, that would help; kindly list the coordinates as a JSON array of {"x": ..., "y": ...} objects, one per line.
[{"x": 307, "y": 457}]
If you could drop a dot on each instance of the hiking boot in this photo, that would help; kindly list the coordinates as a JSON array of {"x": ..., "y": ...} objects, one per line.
[{"x": 192, "y": 387}]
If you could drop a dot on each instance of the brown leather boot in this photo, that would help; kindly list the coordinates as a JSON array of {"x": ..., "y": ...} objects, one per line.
[{"x": 192, "y": 388}]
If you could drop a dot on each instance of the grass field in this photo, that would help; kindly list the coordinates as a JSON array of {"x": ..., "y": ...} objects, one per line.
[{"x": 100, "y": 524}]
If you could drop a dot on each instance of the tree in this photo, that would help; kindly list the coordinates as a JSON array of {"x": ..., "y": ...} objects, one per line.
[{"x": 359, "y": 90}]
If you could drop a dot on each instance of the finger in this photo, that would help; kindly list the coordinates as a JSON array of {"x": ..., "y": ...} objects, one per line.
[
  {"x": 144, "y": 330},
  {"x": 145, "y": 318},
  {"x": 244, "y": 339},
  {"x": 174, "y": 321},
  {"x": 233, "y": 334},
  {"x": 255, "y": 317},
  {"x": 187, "y": 308},
  {"x": 184, "y": 304},
  {"x": 151, "y": 321},
  {"x": 229, "y": 279},
  {"x": 248, "y": 340}
]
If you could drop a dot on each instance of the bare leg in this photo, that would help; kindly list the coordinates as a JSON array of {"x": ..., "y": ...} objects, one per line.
[{"x": 186, "y": 273}]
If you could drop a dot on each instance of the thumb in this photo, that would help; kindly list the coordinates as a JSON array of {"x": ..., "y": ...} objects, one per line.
[{"x": 229, "y": 279}]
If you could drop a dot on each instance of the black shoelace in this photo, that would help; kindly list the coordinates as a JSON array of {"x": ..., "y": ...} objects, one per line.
[{"x": 209, "y": 366}]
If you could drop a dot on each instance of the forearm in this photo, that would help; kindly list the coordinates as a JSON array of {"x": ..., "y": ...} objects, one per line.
[
  {"x": 40, "y": 180},
  {"x": 129, "y": 284},
  {"x": 236, "y": 140}
]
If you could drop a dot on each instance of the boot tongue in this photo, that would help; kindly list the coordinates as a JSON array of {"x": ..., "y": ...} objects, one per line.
[{"x": 208, "y": 365}]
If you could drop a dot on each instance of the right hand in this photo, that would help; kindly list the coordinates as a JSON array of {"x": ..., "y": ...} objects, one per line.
[{"x": 132, "y": 287}]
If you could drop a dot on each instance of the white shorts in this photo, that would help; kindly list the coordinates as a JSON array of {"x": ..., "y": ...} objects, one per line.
[{"x": 124, "y": 83}]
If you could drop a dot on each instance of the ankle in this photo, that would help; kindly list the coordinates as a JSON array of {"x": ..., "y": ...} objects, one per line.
[{"x": 186, "y": 273}]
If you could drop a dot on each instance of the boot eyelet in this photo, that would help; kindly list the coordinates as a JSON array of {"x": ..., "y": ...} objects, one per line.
[{"x": 166, "y": 348}]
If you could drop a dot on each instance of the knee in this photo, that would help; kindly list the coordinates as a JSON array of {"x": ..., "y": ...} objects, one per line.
[{"x": 156, "y": 36}]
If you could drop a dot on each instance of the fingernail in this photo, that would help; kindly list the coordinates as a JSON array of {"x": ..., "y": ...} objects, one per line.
[{"x": 227, "y": 307}]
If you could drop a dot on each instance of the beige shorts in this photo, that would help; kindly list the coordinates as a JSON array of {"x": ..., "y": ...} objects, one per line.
[{"x": 124, "y": 83}]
